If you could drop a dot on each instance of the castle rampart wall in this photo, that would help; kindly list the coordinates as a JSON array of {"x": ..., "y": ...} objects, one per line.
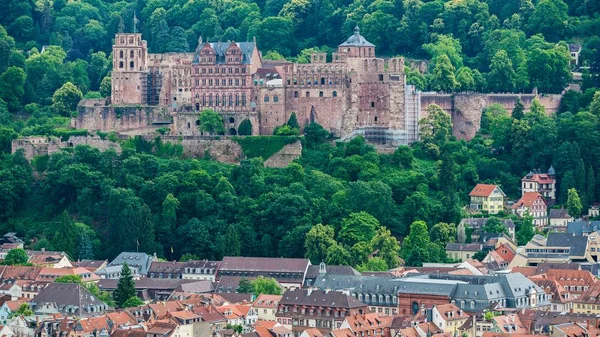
[{"x": 466, "y": 108}]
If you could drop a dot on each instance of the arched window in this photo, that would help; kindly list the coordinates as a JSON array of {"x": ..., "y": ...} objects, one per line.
[
  {"x": 295, "y": 94},
  {"x": 203, "y": 99},
  {"x": 121, "y": 54},
  {"x": 308, "y": 94},
  {"x": 275, "y": 98},
  {"x": 334, "y": 94},
  {"x": 322, "y": 80},
  {"x": 217, "y": 100},
  {"x": 210, "y": 100},
  {"x": 415, "y": 307},
  {"x": 237, "y": 99},
  {"x": 243, "y": 99},
  {"x": 320, "y": 94},
  {"x": 231, "y": 120},
  {"x": 266, "y": 98},
  {"x": 230, "y": 100}
]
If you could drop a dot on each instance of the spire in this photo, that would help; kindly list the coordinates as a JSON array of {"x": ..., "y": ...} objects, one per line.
[
  {"x": 135, "y": 22},
  {"x": 356, "y": 30}
]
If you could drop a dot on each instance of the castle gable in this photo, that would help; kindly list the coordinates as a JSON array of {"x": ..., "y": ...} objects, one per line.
[{"x": 220, "y": 51}]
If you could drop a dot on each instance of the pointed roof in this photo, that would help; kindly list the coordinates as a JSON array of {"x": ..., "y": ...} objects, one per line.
[
  {"x": 484, "y": 190},
  {"x": 356, "y": 40}
]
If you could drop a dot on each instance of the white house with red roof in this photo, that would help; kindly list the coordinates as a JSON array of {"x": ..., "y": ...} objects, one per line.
[
  {"x": 489, "y": 198},
  {"x": 543, "y": 183},
  {"x": 534, "y": 204}
]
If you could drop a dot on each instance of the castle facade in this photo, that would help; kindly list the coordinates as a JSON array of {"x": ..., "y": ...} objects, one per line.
[{"x": 354, "y": 93}]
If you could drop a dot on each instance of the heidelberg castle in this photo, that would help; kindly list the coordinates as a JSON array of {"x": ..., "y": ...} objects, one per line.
[{"x": 355, "y": 93}]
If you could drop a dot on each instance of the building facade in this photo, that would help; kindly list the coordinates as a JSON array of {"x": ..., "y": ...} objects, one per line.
[
  {"x": 488, "y": 198},
  {"x": 355, "y": 93},
  {"x": 543, "y": 183}
]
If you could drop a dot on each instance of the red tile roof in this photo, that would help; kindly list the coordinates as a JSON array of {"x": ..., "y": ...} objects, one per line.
[
  {"x": 267, "y": 301},
  {"x": 482, "y": 190},
  {"x": 540, "y": 178},
  {"x": 528, "y": 199}
]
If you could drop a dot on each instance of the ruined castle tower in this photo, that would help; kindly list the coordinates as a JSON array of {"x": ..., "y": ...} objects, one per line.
[{"x": 130, "y": 72}]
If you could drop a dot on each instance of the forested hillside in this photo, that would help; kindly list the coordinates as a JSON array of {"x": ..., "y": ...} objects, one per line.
[{"x": 186, "y": 208}]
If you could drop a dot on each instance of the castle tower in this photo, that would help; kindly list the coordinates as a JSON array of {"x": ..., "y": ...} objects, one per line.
[
  {"x": 357, "y": 46},
  {"x": 130, "y": 70}
]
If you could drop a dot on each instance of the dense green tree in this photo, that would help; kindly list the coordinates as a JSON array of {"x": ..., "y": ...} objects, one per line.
[
  {"x": 105, "y": 87},
  {"x": 211, "y": 122},
  {"x": 435, "y": 129},
  {"x": 443, "y": 233},
  {"x": 12, "y": 87},
  {"x": 16, "y": 257},
  {"x": 494, "y": 225},
  {"x": 357, "y": 227},
  {"x": 265, "y": 285},
  {"x": 526, "y": 230},
  {"x": 442, "y": 78},
  {"x": 66, "y": 98},
  {"x": 125, "y": 287},
  {"x": 65, "y": 238},
  {"x": 502, "y": 76},
  {"x": 131, "y": 302},
  {"x": 318, "y": 240},
  {"x": 374, "y": 264},
  {"x": 245, "y": 286},
  {"x": 85, "y": 250},
  {"x": 519, "y": 110},
  {"x": 337, "y": 254},
  {"x": 232, "y": 242},
  {"x": 387, "y": 246},
  {"x": 574, "y": 206},
  {"x": 549, "y": 18}
]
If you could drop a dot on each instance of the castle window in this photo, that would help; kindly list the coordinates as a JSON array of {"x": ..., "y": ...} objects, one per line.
[
  {"x": 381, "y": 77},
  {"x": 121, "y": 64},
  {"x": 189, "y": 126},
  {"x": 131, "y": 65},
  {"x": 308, "y": 94},
  {"x": 295, "y": 94},
  {"x": 266, "y": 98},
  {"x": 322, "y": 80},
  {"x": 320, "y": 94},
  {"x": 237, "y": 99},
  {"x": 131, "y": 53},
  {"x": 121, "y": 54},
  {"x": 197, "y": 106},
  {"x": 275, "y": 98},
  {"x": 230, "y": 100},
  {"x": 243, "y": 99},
  {"x": 231, "y": 120},
  {"x": 197, "y": 122},
  {"x": 372, "y": 104},
  {"x": 376, "y": 118},
  {"x": 334, "y": 94},
  {"x": 210, "y": 100},
  {"x": 204, "y": 100}
]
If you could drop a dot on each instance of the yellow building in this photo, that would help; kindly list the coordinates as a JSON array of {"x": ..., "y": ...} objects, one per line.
[
  {"x": 589, "y": 301},
  {"x": 489, "y": 198},
  {"x": 449, "y": 317}
]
